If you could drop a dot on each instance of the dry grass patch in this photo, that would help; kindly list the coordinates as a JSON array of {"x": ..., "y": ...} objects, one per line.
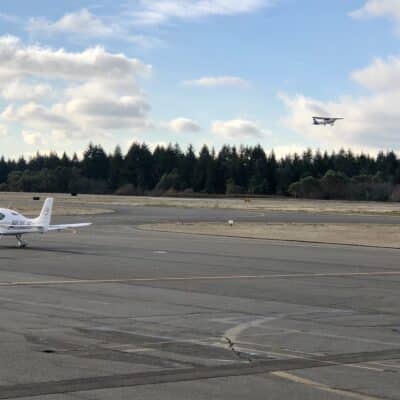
[
  {"x": 64, "y": 205},
  {"x": 353, "y": 234},
  {"x": 97, "y": 204}
]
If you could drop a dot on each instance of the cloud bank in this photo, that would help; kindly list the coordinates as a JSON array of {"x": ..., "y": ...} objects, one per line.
[
  {"x": 97, "y": 91},
  {"x": 238, "y": 129},
  {"x": 183, "y": 125},
  {"x": 80, "y": 22},
  {"x": 218, "y": 81},
  {"x": 153, "y": 12}
]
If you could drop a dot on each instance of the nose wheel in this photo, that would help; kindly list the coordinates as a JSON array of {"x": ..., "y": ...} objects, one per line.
[{"x": 21, "y": 242}]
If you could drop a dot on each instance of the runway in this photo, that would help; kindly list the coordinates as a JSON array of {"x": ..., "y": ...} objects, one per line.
[{"x": 118, "y": 312}]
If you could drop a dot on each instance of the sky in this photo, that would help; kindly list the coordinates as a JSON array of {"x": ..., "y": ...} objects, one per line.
[{"x": 199, "y": 72}]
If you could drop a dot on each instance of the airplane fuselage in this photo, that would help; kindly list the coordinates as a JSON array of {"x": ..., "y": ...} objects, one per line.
[
  {"x": 12, "y": 223},
  {"x": 325, "y": 121}
]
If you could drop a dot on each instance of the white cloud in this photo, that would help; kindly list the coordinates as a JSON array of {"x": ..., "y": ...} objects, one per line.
[
  {"x": 19, "y": 90},
  {"x": 61, "y": 135},
  {"x": 33, "y": 138},
  {"x": 86, "y": 116},
  {"x": 35, "y": 115},
  {"x": 182, "y": 125},
  {"x": 81, "y": 22},
  {"x": 378, "y": 8},
  {"x": 106, "y": 104},
  {"x": 380, "y": 75},
  {"x": 87, "y": 25},
  {"x": 18, "y": 60},
  {"x": 238, "y": 129},
  {"x": 218, "y": 81},
  {"x": 107, "y": 113},
  {"x": 97, "y": 91},
  {"x": 3, "y": 131},
  {"x": 124, "y": 107},
  {"x": 159, "y": 11},
  {"x": 99, "y": 88}
]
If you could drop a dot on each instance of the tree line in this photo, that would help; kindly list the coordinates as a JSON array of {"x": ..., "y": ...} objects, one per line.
[{"x": 247, "y": 170}]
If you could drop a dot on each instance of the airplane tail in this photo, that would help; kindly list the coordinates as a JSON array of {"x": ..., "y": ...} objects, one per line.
[{"x": 45, "y": 216}]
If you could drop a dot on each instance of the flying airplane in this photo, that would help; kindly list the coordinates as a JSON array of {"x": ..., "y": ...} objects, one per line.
[
  {"x": 14, "y": 224},
  {"x": 325, "y": 120}
]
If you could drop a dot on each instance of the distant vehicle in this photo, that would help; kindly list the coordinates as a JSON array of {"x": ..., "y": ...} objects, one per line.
[
  {"x": 325, "y": 120},
  {"x": 14, "y": 224}
]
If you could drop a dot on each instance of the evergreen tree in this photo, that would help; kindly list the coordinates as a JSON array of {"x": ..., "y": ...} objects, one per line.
[
  {"x": 116, "y": 162},
  {"x": 202, "y": 169},
  {"x": 187, "y": 168},
  {"x": 249, "y": 170},
  {"x": 138, "y": 167},
  {"x": 95, "y": 163}
]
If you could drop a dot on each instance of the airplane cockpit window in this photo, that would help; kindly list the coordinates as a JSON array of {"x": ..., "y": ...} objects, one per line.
[{"x": 2, "y": 216}]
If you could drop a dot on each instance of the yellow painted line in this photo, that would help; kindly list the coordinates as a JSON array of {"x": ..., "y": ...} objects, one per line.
[
  {"x": 200, "y": 278},
  {"x": 322, "y": 387}
]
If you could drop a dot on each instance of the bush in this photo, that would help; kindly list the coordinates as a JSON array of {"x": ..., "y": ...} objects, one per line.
[
  {"x": 258, "y": 185},
  {"x": 395, "y": 195},
  {"x": 381, "y": 192},
  {"x": 295, "y": 189},
  {"x": 168, "y": 182},
  {"x": 334, "y": 185},
  {"x": 308, "y": 187},
  {"x": 32, "y": 181},
  {"x": 126, "y": 190},
  {"x": 362, "y": 179},
  {"x": 232, "y": 188}
]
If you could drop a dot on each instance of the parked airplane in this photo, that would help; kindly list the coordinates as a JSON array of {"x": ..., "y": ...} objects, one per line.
[
  {"x": 325, "y": 120},
  {"x": 14, "y": 224}
]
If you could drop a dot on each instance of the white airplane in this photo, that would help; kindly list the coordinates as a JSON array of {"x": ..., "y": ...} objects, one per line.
[
  {"x": 14, "y": 224},
  {"x": 325, "y": 120}
]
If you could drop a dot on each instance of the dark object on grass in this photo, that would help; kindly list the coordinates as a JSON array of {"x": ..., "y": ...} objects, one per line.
[{"x": 36, "y": 197}]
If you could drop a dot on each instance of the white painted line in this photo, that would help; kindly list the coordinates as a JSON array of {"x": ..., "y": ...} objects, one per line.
[
  {"x": 201, "y": 278},
  {"x": 234, "y": 333}
]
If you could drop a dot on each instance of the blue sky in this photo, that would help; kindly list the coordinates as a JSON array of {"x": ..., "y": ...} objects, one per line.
[{"x": 198, "y": 71}]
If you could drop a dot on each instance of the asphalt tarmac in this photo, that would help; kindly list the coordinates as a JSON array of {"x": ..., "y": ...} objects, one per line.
[{"x": 116, "y": 312}]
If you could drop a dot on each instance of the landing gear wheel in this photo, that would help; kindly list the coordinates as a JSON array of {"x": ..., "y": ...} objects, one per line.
[{"x": 22, "y": 244}]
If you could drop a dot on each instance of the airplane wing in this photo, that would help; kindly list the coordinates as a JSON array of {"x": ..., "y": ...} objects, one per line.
[{"x": 59, "y": 228}]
